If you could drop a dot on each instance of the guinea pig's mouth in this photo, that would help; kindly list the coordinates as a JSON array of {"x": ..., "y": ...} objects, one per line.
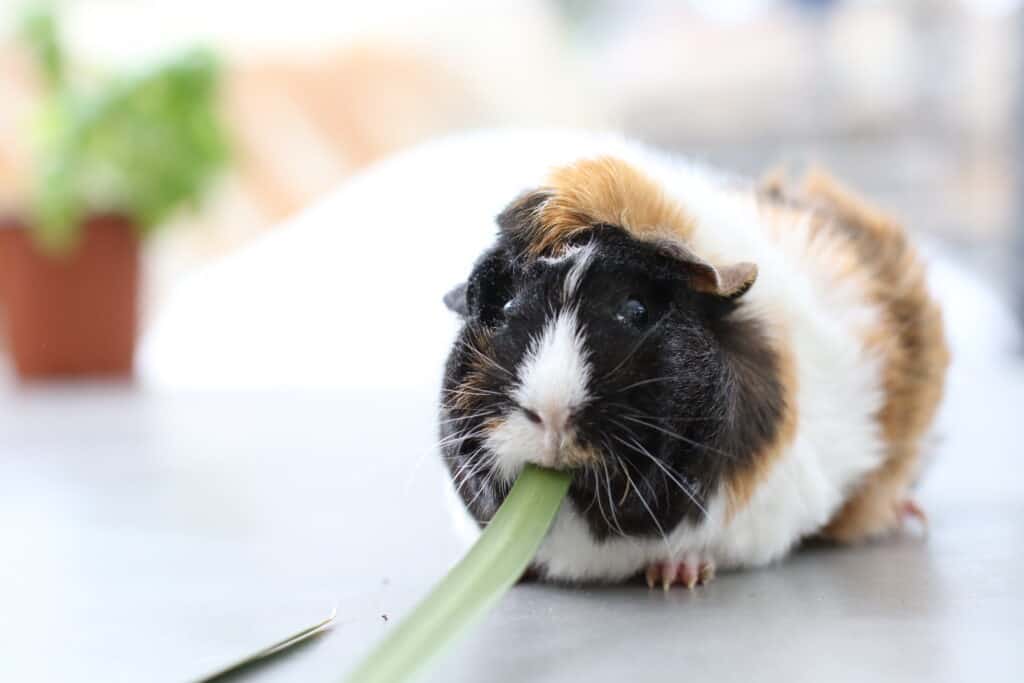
[
  {"x": 526, "y": 436},
  {"x": 569, "y": 455}
]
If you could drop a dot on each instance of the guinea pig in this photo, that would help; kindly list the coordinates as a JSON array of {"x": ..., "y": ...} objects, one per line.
[{"x": 724, "y": 367}]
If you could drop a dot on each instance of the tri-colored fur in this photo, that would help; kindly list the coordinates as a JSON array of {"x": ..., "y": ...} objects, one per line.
[
  {"x": 609, "y": 191},
  {"x": 831, "y": 330},
  {"x": 871, "y": 250},
  {"x": 909, "y": 336}
]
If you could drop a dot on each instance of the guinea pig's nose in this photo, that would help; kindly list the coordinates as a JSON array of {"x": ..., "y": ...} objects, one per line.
[
  {"x": 531, "y": 415},
  {"x": 554, "y": 419}
]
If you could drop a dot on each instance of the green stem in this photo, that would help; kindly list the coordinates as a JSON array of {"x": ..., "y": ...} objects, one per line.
[{"x": 492, "y": 566}]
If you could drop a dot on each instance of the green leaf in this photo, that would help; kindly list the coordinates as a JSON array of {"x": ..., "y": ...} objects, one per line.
[
  {"x": 492, "y": 566},
  {"x": 39, "y": 30},
  {"x": 142, "y": 145}
]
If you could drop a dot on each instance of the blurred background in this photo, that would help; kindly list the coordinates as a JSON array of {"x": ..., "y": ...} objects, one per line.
[
  {"x": 332, "y": 172},
  {"x": 915, "y": 103}
]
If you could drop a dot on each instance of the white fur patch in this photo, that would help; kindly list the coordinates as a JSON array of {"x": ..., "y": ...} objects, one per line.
[
  {"x": 553, "y": 379},
  {"x": 554, "y": 374},
  {"x": 582, "y": 258}
]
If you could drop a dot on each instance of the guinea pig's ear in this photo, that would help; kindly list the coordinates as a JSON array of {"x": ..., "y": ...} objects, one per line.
[
  {"x": 728, "y": 282},
  {"x": 518, "y": 222},
  {"x": 456, "y": 302}
]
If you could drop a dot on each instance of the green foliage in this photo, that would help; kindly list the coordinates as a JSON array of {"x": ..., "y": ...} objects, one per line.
[
  {"x": 489, "y": 569},
  {"x": 142, "y": 145},
  {"x": 40, "y": 31}
]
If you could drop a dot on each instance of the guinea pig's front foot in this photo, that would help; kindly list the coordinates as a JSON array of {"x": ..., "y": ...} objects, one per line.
[
  {"x": 909, "y": 509},
  {"x": 691, "y": 571}
]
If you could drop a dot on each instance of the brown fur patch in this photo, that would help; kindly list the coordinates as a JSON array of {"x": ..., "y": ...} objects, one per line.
[
  {"x": 744, "y": 482},
  {"x": 470, "y": 393},
  {"x": 609, "y": 191},
  {"x": 874, "y": 250},
  {"x": 576, "y": 455}
]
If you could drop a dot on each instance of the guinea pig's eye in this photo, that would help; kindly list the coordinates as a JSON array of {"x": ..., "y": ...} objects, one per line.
[
  {"x": 497, "y": 305},
  {"x": 512, "y": 307},
  {"x": 633, "y": 312}
]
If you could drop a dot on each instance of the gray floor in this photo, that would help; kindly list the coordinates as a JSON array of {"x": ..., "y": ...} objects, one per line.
[{"x": 156, "y": 537}]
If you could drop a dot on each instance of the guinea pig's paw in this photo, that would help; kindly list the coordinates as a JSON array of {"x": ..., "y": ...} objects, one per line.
[
  {"x": 691, "y": 571},
  {"x": 909, "y": 509}
]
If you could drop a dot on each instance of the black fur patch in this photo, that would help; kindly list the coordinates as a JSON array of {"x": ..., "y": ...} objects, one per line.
[
  {"x": 680, "y": 403},
  {"x": 521, "y": 215}
]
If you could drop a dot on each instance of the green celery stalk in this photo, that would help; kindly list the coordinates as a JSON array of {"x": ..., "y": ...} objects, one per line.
[{"x": 492, "y": 566}]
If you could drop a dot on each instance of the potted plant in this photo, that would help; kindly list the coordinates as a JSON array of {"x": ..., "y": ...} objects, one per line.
[{"x": 111, "y": 163}]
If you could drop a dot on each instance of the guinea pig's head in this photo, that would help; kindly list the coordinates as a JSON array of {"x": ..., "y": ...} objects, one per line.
[{"x": 624, "y": 361}]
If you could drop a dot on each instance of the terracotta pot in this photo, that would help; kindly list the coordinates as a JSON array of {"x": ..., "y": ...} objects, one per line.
[{"x": 75, "y": 314}]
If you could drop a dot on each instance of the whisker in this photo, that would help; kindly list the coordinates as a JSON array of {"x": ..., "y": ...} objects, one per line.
[
  {"x": 629, "y": 481},
  {"x": 611, "y": 501},
  {"x": 479, "y": 466},
  {"x": 680, "y": 437},
  {"x": 484, "y": 485},
  {"x": 470, "y": 460},
  {"x": 460, "y": 437},
  {"x": 463, "y": 467},
  {"x": 657, "y": 524},
  {"x": 597, "y": 494},
  {"x": 468, "y": 343},
  {"x": 482, "y": 413},
  {"x": 462, "y": 432},
  {"x": 632, "y": 410},
  {"x": 593, "y": 499},
  {"x": 642, "y": 382},
  {"x": 628, "y": 356},
  {"x": 636, "y": 446},
  {"x": 472, "y": 391},
  {"x": 625, "y": 428}
]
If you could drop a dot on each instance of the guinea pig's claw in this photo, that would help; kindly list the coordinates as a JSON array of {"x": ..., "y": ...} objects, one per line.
[
  {"x": 690, "y": 573},
  {"x": 652, "y": 574},
  {"x": 909, "y": 508},
  {"x": 706, "y": 573}
]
